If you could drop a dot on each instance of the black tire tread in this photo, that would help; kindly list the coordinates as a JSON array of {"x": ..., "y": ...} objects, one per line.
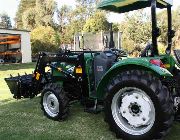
[
  {"x": 63, "y": 100},
  {"x": 161, "y": 92}
]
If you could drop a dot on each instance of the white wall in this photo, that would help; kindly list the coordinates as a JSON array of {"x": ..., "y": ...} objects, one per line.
[
  {"x": 25, "y": 43},
  {"x": 26, "y": 47}
]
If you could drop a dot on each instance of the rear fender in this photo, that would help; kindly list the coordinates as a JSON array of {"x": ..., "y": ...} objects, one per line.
[{"x": 128, "y": 64}]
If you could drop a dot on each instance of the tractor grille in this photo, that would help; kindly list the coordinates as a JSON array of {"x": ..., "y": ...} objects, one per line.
[{"x": 177, "y": 55}]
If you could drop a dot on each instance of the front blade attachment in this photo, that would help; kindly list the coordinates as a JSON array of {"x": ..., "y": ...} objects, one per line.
[{"x": 20, "y": 86}]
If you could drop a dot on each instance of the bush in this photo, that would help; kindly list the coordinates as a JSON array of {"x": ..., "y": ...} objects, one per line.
[
  {"x": 161, "y": 48},
  {"x": 44, "y": 39}
]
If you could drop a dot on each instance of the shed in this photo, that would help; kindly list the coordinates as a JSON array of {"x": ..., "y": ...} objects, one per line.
[{"x": 15, "y": 46}]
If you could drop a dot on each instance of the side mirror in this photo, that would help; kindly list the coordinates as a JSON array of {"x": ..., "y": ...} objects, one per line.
[{"x": 81, "y": 42}]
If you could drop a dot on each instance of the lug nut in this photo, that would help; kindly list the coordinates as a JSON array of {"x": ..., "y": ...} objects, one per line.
[{"x": 143, "y": 119}]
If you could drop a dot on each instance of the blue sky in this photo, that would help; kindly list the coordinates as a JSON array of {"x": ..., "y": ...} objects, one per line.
[{"x": 10, "y": 7}]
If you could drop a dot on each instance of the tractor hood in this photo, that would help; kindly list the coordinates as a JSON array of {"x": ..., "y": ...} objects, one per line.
[{"x": 121, "y": 6}]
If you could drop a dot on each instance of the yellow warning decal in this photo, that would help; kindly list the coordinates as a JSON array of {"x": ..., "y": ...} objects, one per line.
[
  {"x": 79, "y": 70},
  {"x": 37, "y": 75}
]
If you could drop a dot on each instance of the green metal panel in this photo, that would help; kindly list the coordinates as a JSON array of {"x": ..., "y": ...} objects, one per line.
[
  {"x": 122, "y": 6},
  {"x": 127, "y": 64},
  {"x": 88, "y": 58},
  {"x": 169, "y": 61}
]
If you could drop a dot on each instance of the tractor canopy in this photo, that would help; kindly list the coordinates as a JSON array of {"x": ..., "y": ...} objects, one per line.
[{"x": 121, "y": 6}]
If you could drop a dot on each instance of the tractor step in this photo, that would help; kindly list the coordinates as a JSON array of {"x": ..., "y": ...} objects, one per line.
[
  {"x": 94, "y": 109},
  {"x": 177, "y": 55}
]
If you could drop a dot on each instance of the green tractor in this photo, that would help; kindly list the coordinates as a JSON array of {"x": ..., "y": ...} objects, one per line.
[{"x": 139, "y": 96}]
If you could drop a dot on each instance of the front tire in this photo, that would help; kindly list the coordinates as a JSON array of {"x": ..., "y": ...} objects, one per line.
[
  {"x": 138, "y": 106},
  {"x": 54, "y": 102}
]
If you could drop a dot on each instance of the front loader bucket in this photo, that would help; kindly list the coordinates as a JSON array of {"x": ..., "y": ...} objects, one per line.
[{"x": 20, "y": 86}]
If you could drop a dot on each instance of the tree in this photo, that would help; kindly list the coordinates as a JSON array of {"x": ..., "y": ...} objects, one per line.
[
  {"x": 34, "y": 13},
  {"x": 176, "y": 21},
  {"x": 5, "y": 21},
  {"x": 73, "y": 21},
  {"x": 64, "y": 17},
  {"x": 96, "y": 23},
  {"x": 136, "y": 30},
  {"x": 44, "y": 38},
  {"x": 29, "y": 19},
  {"x": 115, "y": 27},
  {"x": 162, "y": 24},
  {"x": 86, "y": 8},
  {"x": 45, "y": 10},
  {"x": 22, "y": 7}
]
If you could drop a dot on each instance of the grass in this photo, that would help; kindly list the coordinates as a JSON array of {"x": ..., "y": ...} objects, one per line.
[{"x": 24, "y": 120}]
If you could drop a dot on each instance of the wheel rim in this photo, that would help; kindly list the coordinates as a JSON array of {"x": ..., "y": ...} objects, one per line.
[
  {"x": 51, "y": 104},
  {"x": 133, "y": 111}
]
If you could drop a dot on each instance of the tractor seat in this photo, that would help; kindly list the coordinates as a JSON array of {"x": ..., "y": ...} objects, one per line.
[{"x": 177, "y": 55}]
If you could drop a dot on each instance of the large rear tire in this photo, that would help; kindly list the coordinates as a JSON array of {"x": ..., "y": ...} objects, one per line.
[
  {"x": 138, "y": 106},
  {"x": 54, "y": 102}
]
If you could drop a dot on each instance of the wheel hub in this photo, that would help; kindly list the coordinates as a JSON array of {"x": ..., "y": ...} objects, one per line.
[
  {"x": 51, "y": 104},
  {"x": 133, "y": 110}
]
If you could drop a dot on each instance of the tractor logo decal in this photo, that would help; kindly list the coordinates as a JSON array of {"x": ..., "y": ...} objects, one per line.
[
  {"x": 100, "y": 68},
  {"x": 71, "y": 69}
]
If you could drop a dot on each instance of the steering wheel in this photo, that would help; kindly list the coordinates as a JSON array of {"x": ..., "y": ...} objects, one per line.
[
  {"x": 145, "y": 52},
  {"x": 118, "y": 52}
]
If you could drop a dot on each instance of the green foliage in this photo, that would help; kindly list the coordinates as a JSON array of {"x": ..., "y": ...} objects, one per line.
[
  {"x": 176, "y": 23},
  {"x": 5, "y": 21},
  {"x": 72, "y": 21},
  {"x": 33, "y": 13},
  {"x": 84, "y": 17},
  {"x": 63, "y": 17},
  {"x": 162, "y": 23},
  {"x": 28, "y": 19},
  {"x": 96, "y": 23},
  {"x": 37, "y": 15},
  {"x": 44, "y": 39},
  {"x": 22, "y": 7},
  {"x": 136, "y": 30},
  {"x": 45, "y": 10},
  {"x": 115, "y": 27},
  {"x": 161, "y": 48}
]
